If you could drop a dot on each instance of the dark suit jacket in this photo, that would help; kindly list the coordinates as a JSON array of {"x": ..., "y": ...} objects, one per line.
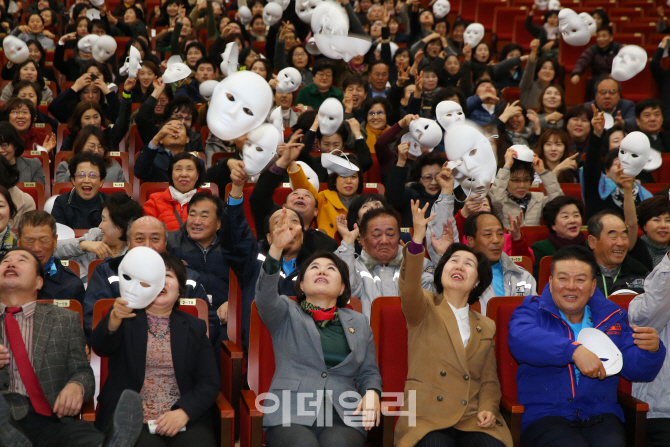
[
  {"x": 65, "y": 284},
  {"x": 59, "y": 357},
  {"x": 194, "y": 365}
]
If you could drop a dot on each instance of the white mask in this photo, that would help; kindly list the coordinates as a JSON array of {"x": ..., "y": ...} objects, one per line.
[
  {"x": 542, "y": 4},
  {"x": 339, "y": 164},
  {"x": 572, "y": 27},
  {"x": 176, "y": 59},
  {"x": 92, "y": 14},
  {"x": 630, "y": 61},
  {"x": 97, "y": 3},
  {"x": 288, "y": 80},
  {"x": 305, "y": 8},
  {"x": 240, "y": 103},
  {"x": 554, "y": 5},
  {"x": 132, "y": 65},
  {"x": 414, "y": 146},
  {"x": 523, "y": 152},
  {"x": 329, "y": 18},
  {"x": 331, "y": 115},
  {"x": 277, "y": 119},
  {"x": 634, "y": 153},
  {"x": 393, "y": 45},
  {"x": 342, "y": 47},
  {"x": 311, "y": 47},
  {"x": 449, "y": 113},
  {"x": 245, "y": 15},
  {"x": 141, "y": 265},
  {"x": 309, "y": 173},
  {"x": 601, "y": 345},
  {"x": 284, "y": 3},
  {"x": 472, "y": 158},
  {"x": 589, "y": 21},
  {"x": 85, "y": 44},
  {"x": 441, "y": 8},
  {"x": 426, "y": 132},
  {"x": 15, "y": 49},
  {"x": 473, "y": 34},
  {"x": 230, "y": 56},
  {"x": 206, "y": 89},
  {"x": 175, "y": 73},
  {"x": 260, "y": 148},
  {"x": 272, "y": 13},
  {"x": 104, "y": 48}
]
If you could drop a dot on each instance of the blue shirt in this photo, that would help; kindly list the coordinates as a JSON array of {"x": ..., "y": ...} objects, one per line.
[
  {"x": 587, "y": 321},
  {"x": 498, "y": 286}
]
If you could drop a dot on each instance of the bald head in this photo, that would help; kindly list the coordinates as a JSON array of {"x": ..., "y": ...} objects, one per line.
[{"x": 149, "y": 232}]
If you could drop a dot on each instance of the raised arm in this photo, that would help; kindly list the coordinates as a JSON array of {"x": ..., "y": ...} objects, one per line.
[
  {"x": 652, "y": 308},
  {"x": 442, "y": 231}
]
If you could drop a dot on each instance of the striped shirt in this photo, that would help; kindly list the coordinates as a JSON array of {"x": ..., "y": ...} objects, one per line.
[{"x": 26, "y": 321}]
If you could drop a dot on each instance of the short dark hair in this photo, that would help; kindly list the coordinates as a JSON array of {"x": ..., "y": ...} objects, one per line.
[
  {"x": 99, "y": 23},
  {"x": 181, "y": 104},
  {"x": 25, "y": 83},
  {"x": 608, "y": 159},
  {"x": 378, "y": 62},
  {"x": 321, "y": 65},
  {"x": 122, "y": 211},
  {"x": 648, "y": 103},
  {"x": 373, "y": 214},
  {"x": 357, "y": 204},
  {"x": 595, "y": 224},
  {"x": 15, "y": 103},
  {"x": 575, "y": 253},
  {"x": 102, "y": 68},
  {"x": 423, "y": 160},
  {"x": 554, "y": 62},
  {"x": 87, "y": 157},
  {"x": 204, "y": 60},
  {"x": 36, "y": 218},
  {"x": 203, "y": 196},
  {"x": 367, "y": 105},
  {"x": 10, "y": 203},
  {"x": 74, "y": 123},
  {"x": 652, "y": 207},
  {"x": 198, "y": 165},
  {"x": 470, "y": 224},
  {"x": 9, "y": 173},
  {"x": 82, "y": 137},
  {"x": 507, "y": 49},
  {"x": 38, "y": 264},
  {"x": 606, "y": 78},
  {"x": 341, "y": 266},
  {"x": 9, "y": 135},
  {"x": 332, "y": 178},
  {"x": 484, "y": 81},
  {"x": 576, "y": 112},
  {"x": 176, "y": 265},
  {"x": 484, "y": 272},
  {"x": 354, "y": 80},
  {"x": 553, "y": 207},
  {"x": 520, "y": 165},
  {"x": 442, "y": 95},
  {"x": 605, "y": 28}
]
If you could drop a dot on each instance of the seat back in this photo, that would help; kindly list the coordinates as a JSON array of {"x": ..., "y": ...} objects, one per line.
[
  {"x": 500, "y": 310},
  {"x": 73, "y": 305},
  {"x": 234, "y": 309},
  {"x": 44, "y": 159},
  {"x": 523, "y": 261},
  {"x": 389, "y": 329},
  {"x": 35, "y": 190},
  {"x": 148, "y": 188},
  {"x": 545, "y": 271},
  {"x": 72, "y": 265},
  {"x": 535, "y": 234}
]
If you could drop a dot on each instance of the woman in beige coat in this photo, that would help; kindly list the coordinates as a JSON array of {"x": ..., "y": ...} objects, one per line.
[{"x": 451, "y": 360}]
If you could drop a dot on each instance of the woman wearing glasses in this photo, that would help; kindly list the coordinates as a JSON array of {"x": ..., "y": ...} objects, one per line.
[
  {"x": 82, "y": 207},
  {"x": 12, "y": 147},
  {"x": 92, "y": 139},
  {"x": 21, "y": 113},
  {"x": 377, "y": 112}
]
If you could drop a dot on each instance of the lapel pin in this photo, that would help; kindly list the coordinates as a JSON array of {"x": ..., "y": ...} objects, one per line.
[
  {"x": 352, "y": 330},
  {"x": 479, "y": 329}
]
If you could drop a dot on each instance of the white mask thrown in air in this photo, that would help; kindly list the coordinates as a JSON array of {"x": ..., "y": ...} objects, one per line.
[
  {"x": 132, "y": 66},
  {"x": 240, "y": 103},
  {"x": 175, "y": 73},
  {"x": 15, "y": 49},
  {"x": 206, "y": 89},
  {"x": 426, "y": 132},
  {"x": 305, "y": 8},
  {"x": 141, "y": 277},
  {"x": 272, "y": 13},
  {"x": 449, "y": 113},
  {"x": 330, "y": 116},
  {"x": 260, "y": 148},
  {"x": 473, "y": 34},
  {"x": 601, "y": 345},
  {"x": 634, "y": 153},
  {"x": 572, "y": 27},
  {"x": 288, "y": 80},
  {"x": 104, "y": 48},
  {"x": 630, "y": 61},
  {"x": 342, "y": 47},
  {"x": 441, "y": 8},
  {"x": 283, "y": 3},
  {"x": 589, "y": 21},
  {"x": 329, "y": 18},
  {"x": 554, "y": 5},
  {"x": 229, "y": 59},
  {"x": 86, "y": 43},
  {"x": 542, "y": 5},
  {"x": 245, "y": 15},
  {"x": 471, "y": 159}
]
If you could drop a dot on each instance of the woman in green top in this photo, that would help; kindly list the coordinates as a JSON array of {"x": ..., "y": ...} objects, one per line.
[{"x": 563, "y": 216}]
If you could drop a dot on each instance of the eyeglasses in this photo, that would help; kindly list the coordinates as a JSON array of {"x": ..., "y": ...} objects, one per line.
[
  {"x": 16, "y": 113},
  {"x": 162, "y": 102},
  {"x": 324, "y": 74},
  {"x": 182, "y": 118},
  {"x": 521, "y": 180},
  {"x": 95, "y": 147},
  {"x": 5, "y": 146},
  {"x": 611, "y": 91},
  {"x": 378, "y": 113},
  {"x": 91, "y": 175},
  {"x": 429, "y": 177}
]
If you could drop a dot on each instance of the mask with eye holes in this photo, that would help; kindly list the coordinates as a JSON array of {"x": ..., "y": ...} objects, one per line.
[
  {"x": 331, "y": 115},
  {"x": 272, "y": 13},
  {"x": 449, "y": 113},
  {"x": 240, "y": 103},
  {"x": 288, "y": 80},
  {"x": 426, "y": 132},
  {"x": 471, "y": 159},
  {"x": 634, "y": 153},
  {"x": 141, "y": 277},
  {"x": 575, "y": 32},
  {"x": 245, "y": 15},
  {"x": 260, "y": 148},
  {"x": 229, "y": 59},
  {"x": 441, "y": 8}
]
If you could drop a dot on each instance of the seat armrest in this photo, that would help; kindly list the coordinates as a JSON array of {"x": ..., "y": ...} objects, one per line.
[
  {"x": 251, "y": 421},
  {"x": 88, "y": 410},
  {"x": 231, "y": 350},
  {"x": 628, "y": 401},
  {"x": 224, "y": 407},
  {"x": 511, "y": 405},
  {"x": 227, "y": 415}
]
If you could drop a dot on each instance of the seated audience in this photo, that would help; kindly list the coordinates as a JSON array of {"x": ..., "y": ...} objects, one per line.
[
  {"x": 153, "y": 163},
  {"x": 653, "y": 217},
  {"x": 608, "y": 100},
  {"x": 90, "y": 86},
  {"x": 551, "y": 108},
  {"x": 175, "y": 375},
  {"x": 517, "y": 126},
  {"x": 34, "y": 30},
  {"x": 12, "y": 147},
  {"x": 548, "y": 35},
  {"x": 204, "y": 71},
  {"x": 362, "y": 205},
  {"x": 567, "y": 398},
  {"x": 91, "y": 139},
  {"x": 21, "y": 113},
  {"x": 460, "y": 278},
  {"x": 9, "y": 177},
  {"x": 7, "y": 211},
  {"x": 649, "y": 119},
  {"x": 378, "y": 114},
  {"x": 484, "y": 106},
  {"x": 30, "y": 90},
  {"x": 553, "y": 150},
  {"x": 578, "y": 127},
  {"x": 82, "y": 206},
  {"x": 187, "y": 174},
  {"x": 321, "y": 87},
  {"x": 28, "y": 71},
  {"x": 109, "y": 239}
]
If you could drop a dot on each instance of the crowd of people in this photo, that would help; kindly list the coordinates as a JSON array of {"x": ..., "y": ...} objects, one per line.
[{"x": 420, "y": 234}]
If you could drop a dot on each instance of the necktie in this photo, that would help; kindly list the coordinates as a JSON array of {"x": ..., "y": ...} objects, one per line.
[{"x": 26, "y": 371}]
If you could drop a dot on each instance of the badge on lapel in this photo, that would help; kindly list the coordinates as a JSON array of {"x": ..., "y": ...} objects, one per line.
[
  {"x": 479, "y": 329},
  {"x": 352, "y": 330}
]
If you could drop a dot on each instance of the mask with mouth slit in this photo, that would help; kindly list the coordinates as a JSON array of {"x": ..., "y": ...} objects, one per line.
[
  {"x": 260, "y": 148},
  {"x": 141, "y": 277},
  {"x": 471, "y": 159}
]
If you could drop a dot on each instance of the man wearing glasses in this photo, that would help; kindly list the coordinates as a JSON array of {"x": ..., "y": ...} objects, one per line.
[
  {"x": 608, "y": 100},
  {"x": 322, "y": 87}
]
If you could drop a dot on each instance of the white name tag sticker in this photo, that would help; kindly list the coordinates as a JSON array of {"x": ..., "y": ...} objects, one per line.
[
  {"x": 65, "y": 263},
  {"x": 516, "y": 258},
  {"x": 187, "y": 301},
  {"x": 118, "y": 184},
  {"x": 29, "y": 185},
  {"x": 35, "y": 152},
  {"x": 370, "y": 185},
  {"x": 62, "y": 303},
  {"x": 285, "y": 185}
]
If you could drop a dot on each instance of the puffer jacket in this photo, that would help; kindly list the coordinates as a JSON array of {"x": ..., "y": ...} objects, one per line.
[
  {"x": 370, "y": 280},
  {"x": 543, "y": 344},
  {"x": 162, "y": 206},
  {"x": 516, "y": 280},
  {"x": 652, "y": 309},
  {"x": 502, "y": 204}
]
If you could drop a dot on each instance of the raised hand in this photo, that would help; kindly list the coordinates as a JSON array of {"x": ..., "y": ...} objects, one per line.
[
  {"x": 238, "y": 176},
  {"x": 102, "y": 85},
  {"x": 509, "y": 157},
  {"x": 510, "y": 110},
  {"x": 538, "y": 165},
  {"x": 446, "y": 180},
  {"x": 598, "y": 121},
  {"x": 418, "y": 83},
  {"x": 569, "y": 163},
  {"x": 49, "y": 142},
  {"x": 618, "y": 120},
  {"x": 82, "y": 82},
  {"x": 440, "y": 245},
  {"x": 403, "y": 74},
  {"x": 158, "y": 85},
  {"x": 347, "y": 236},
  {"x": 420, "y": 221},
  {"x": 575, "y": 79},
  {"x": 348, "y": 102},
  {"x": 129, "y": 84},
  {"x": 472, "y": 205},
  {"x": 467, "y": 52},
  {"x": 407, "y": 119},
  {"x": 283, "y": 234},
  {"x": 403, "y": 153},
  {"x": 515, "y": 225}
]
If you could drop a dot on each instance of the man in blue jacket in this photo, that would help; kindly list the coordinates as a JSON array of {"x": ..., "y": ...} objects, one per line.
[{"x": 563, "y": 386}]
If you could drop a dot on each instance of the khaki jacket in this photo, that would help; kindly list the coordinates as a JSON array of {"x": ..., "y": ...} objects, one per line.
[{"x": 452, "y": 382}]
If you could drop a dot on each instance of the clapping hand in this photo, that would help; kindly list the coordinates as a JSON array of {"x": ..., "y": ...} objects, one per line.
[
  {"x": 444, "y": 242},
  {"x": 646, "y": 338},
  {"x": 342, "y": 227},
  {"x": 49, "y": 142}
]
